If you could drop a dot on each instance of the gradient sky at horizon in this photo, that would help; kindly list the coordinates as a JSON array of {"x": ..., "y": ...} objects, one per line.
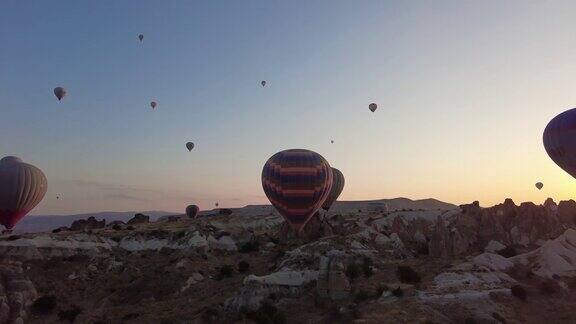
[{"x": 464, "y": 89}]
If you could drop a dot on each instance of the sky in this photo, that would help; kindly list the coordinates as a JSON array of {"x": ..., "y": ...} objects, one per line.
[{"x": 464, "y": 89}]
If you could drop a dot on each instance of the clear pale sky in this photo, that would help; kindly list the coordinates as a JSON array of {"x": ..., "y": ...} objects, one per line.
[{"x": 464, "y": 88}]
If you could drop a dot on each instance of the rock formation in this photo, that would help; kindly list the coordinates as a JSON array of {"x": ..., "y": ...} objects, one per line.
[{"x": 87, "y": 224}]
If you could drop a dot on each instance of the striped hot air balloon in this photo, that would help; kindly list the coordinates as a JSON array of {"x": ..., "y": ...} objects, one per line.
[
  {"x": 22, "y": 187},
  {"x": 560, "y": 140},
  {"x": 297, "y": 182},
  {"x": 335, "y": 190},
  {"x": 192, "y": 211}
]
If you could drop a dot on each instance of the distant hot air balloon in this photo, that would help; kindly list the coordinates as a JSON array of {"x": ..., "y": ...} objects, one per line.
[
  {"x": 59, "y": 92},
  {"x": 335, "y": 190},
  {"x": 560, "y": 140},
  {"x": 189, "y": 146},
  {"x": 216, "y": 204},
  {"x": 297, "y": 182},
  {"x": 192, "y": 211},
  {"x": 22, "y": 187},
  {"x": 539, "y": 185},
  {"x": 332, "y": 141},
  {"x": 373, "y": 107},
  {"x": 263, "y": 83},
  {"x": 141, "y": 37},
  {"x": 153, "y": 104}
]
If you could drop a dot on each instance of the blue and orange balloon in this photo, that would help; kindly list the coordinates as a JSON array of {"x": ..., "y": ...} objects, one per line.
[
  {"x": 297, "y": 182},
  {"x": 335, "y": 190},
  {"x": 560, "y": 140}
]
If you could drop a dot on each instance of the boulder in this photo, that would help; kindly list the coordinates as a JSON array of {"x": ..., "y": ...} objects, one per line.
[
  {"x": 139, "y": 219},
  {"x": 87, "y": 224}
]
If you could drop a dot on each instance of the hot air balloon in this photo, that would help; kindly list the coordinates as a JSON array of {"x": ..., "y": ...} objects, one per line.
[
  {"x": 332, "y": 141},
  {"x": 297, "y": 182},
  {"x": 59, "y": 92},
  {"x": 539, "y": 185},
  {"x": 192, "y": 211},
  {"x": 216, "y": 204},
  {"x": 153, "y": 104},
  {"x": 560, "y": 140},
  {"x": 141, "y": 37},
  {"x": 263, "y": 83},
  {"x": 335, "y": 190},
  {"x": 189, "y": 146},
  {"x": 23, "y": 187},
  {"x": 373, "y": 107}
]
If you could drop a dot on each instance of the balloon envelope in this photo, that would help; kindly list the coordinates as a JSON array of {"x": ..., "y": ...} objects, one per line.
[
  {"x": 153, "y": 104},
  {"x": 59, "y": 92},
  {"x": 560, "y": 140},
  {"x": 263, "y": 83},
  {"x": 372, "y": 107},
  {"x": 140, "y": 37},
  {"x": 189, "y": 146},
  {"x": 297, "y": 182},
  {"x": 335, "y": 190},
  {"x": 539, "y": 185},
  {"x": 23, "y": 187},
  {"x": 192, "y": 211}
]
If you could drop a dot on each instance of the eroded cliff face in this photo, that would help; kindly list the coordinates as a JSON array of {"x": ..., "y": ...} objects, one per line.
[
  {"x": 17, "y": 292},
  {"x": 527, "y": 225}
]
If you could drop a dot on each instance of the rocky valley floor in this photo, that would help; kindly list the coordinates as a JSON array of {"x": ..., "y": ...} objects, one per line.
[{"x": 389, "y": 261}]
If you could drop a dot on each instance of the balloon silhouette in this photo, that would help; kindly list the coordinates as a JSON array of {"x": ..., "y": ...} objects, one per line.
[
  {"x": 22, "y": 187},
  {"x": 189, "y": 146},
  {"x": 372, "y": 107},
  {"x": 539, "y": 185},
  {"x": 141, "y": 37},
  {"x": 192, "y": 211},
  {"x": 153, "y": 104},
  {"x": 263, "y": 83},
  {"x": 560, "y": 140},
  {"x": 297, "y": 182},
  {"x": 335, "y": 190},
  {"x": 59, "y": 92}
]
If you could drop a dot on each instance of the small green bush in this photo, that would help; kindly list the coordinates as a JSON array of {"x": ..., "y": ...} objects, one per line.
[
  {"x": 353, "y": 271},
  {"x": 243, "y": 266},
  {"x": 252, "y": 246},
  {"x": 44, "y": 305},
  {"x": 226, "y": 271},
  {"x": 367, "y": 267},
  {"x": 407, "y": 275},
  {"x": 70, "y": 314}
]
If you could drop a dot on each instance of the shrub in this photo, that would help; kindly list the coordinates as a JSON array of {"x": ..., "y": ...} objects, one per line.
[
  {"x": 117, "y": 227},
  {"x": 243, "y": 266},
  {"x": 268, "y": 314},
  {"x": 70, "y": 314},
  {"x": 508, "y": 252},
  {"x": 361, "y": 296},
  {"x": 519, "y": 292},
  {"x": 352, "y": 271},
  {"x": 252, "y": 246},
  {"x": 13, "y": 237},
  {"x": 226, "y": 271},
  {"x": 381, "y": 289},
  {"x": 498, "y": 317},
  {"x": 130, "y": 228},
  {"x": 398, "y": 292},
  {"x": 407, "y": 275},
  {"x": 44, "y": 305},
  {"x": 367, "y": 267}
]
